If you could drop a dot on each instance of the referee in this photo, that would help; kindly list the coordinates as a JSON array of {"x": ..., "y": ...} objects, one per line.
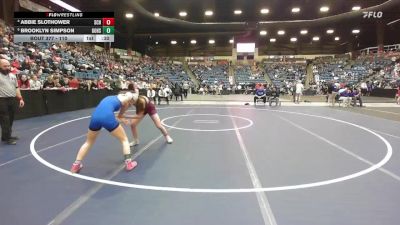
[{"x": 8, "y": 91}]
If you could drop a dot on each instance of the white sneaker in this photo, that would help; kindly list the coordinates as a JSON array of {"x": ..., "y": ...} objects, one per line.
[
  {"x": 169, "y": 139},
  {"x": 134, "y": 143}
]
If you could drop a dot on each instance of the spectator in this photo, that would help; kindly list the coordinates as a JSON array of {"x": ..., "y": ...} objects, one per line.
[
  {"x": 26, "y": 64},
  {"x": 299, "y": 91},
  {"x": 162, "y": 94},
  {"x": 398, "y": 95},
  {"x": 260, "y": 93},
  {"x": 335, "y": 92},
  {"x": 167, "y": 90},
  {"x": 66, "y": 82},
  {"x": 57, "y": 83},
  {"x": 73, "y": 83},
  {"x": 345, "y": 96},
  {"x": 185, "y": 89},
  {"x": 93, "y": 84},
  {"x": 49, "y": 83},
  {"x": 369, "y": 88},
  {"x": 178, "y": 92},
  {"x": 220, "y": 88},
  {"x": 85, "y": 85},
  {"x": 151, "y": 94},
  {"x": 35, "y": 84},
  {"x": 23, "y": 82},
  {"x": 356, "y": 95},
  {"x": 124, "y": 84},
  {"x": 16, "y": 64},
  {"x": 101, "y": 85},
  {"x": 201, "y": 91}
]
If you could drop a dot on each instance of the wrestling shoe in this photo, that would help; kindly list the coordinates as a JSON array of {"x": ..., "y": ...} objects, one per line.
[
  {"x": 130, "y": 165},
  {"x": 134, "y": 143},
  {"x": 76, "y": 167},
  {"x": 169, "y": 139}
]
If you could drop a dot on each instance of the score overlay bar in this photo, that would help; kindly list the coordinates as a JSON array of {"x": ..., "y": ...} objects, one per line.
[{"x": 63, "y": 38}]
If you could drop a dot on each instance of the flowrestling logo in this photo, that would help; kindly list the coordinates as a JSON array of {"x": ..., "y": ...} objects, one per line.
[{"x": 372, "y": 15}]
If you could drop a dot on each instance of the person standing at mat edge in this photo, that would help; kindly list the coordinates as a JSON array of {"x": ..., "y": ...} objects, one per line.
[
  {"x": 8, "y": 92},
  {"x": 103, "y": 116}
]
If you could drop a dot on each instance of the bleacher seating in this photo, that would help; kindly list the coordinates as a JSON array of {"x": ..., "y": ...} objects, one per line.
[
  {"x": 344, "y": 71},
  {"x": 211, "y": 74},
  {"x": 285, "y": 72},
  {"x": 164, "y": 70},
  {"x": 245, "y": 75}
]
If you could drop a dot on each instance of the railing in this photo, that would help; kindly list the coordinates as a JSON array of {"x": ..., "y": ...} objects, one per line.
[
  {"x": 375, "y": 50},
  {"x": 43, "y": 102}
]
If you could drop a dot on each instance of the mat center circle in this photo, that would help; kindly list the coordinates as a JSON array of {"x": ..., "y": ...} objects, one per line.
[{"x": 368, "y": 170}]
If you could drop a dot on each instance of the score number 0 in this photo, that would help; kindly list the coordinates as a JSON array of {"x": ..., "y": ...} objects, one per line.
[
  {"x": 104, "y": 22},
  {"x": 108, "y": 21}
]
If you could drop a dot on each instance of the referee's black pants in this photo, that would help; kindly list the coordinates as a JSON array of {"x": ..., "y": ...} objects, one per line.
[{"x": 7, "y": 111}]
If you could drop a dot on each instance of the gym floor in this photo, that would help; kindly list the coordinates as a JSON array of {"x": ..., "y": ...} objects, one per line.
[{"x": 232, "y": 165}]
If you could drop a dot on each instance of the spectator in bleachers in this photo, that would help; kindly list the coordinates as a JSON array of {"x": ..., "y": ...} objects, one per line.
[
  {"x": 83, "y": 84},
  {"x": 26, "y": 64},
  {"x": 68, "y": 67},
  {"x": 58, "y": 83},
  {"x": 34, "y": 83},
  {"x": 73, "y": 82},
  {"x": 92, "y": 84},
  {"x": 124, "y": 84},
  {"x": 23, "y": 82},
  {"x": 208, "y": 73},
  {"x": 66, "y": 82},
  {"x": 101, "y": 85},
  {"x": 49, "y": 83},
  {"x": 16, "y": 63}
]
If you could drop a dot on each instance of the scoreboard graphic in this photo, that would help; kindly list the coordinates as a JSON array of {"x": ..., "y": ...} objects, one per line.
[{"x": 64, "y": 26}]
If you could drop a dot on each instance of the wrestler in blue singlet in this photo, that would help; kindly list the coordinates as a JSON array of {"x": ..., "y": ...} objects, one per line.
[{"x": 103, "y": 115}]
